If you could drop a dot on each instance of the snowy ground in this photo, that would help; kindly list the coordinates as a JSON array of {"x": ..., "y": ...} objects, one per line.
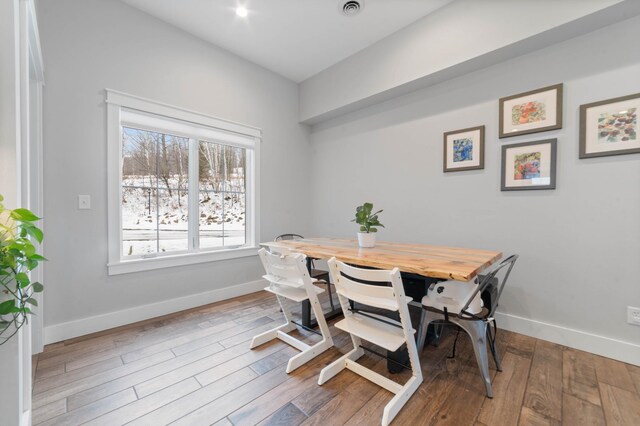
[{"x": 162, "y": 224}]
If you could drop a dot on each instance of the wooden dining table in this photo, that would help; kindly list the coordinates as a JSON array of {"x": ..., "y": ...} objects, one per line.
[{"x": 433, "y": 263}]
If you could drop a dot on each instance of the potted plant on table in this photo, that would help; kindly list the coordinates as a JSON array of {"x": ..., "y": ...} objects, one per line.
[
  {"x": 368, "y": 221},
  {"x": 17, "y": 257}
]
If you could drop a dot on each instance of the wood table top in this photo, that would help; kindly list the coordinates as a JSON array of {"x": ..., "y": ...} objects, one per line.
[{"x": 447, "y": 263}]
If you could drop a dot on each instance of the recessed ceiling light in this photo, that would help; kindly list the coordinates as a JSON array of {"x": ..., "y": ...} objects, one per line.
[{"x": 242, "y": 11}]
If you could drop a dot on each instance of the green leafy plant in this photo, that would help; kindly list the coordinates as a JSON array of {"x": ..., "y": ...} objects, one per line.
[
  {"x": 367, "y": 219},
  {"x": 17, "y": 257}
]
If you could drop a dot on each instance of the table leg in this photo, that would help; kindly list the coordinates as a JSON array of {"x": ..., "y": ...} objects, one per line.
[{"x": 306, "y": 315}]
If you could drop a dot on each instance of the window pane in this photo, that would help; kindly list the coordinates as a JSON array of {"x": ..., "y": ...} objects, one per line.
[
  {"x": 139, "y": 213},
  {"x": 173, "y": 162},
  {"x": 234, "y": 219},
  {"x": 173, "y": 221},
  {"x": 222, "y": 180},
  {"x": 139, "y": 157},
  {"x": 139, "y": 201},
  {"x": 235, "y": 160},
  {"x": 211, "y": 219},
  {"x": 155, "y": 192},
  {"x": 211, "y": 166}
]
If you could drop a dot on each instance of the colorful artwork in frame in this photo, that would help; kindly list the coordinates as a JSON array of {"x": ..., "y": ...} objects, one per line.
[
  {"x": 529, "y": 165},
  {"x": 464, "y": 149},
  {"x": 531, "y": 112},
  {"x": 610, "y": 127}
]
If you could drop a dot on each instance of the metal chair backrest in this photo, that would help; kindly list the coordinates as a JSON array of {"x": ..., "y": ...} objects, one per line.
[
  {"x": 288, "y": 237},
  {"x": 500, "y": 273}
]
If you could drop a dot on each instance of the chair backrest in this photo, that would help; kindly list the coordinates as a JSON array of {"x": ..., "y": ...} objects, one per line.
[
  {"x": 290, "y": 270},
  {"x": 288, "y": 237},
  {"x": 496, "y": 276},
  {"x": 345, "y": 279}
]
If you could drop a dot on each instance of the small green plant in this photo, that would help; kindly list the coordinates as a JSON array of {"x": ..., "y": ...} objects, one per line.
[
  {"x": 17, "y": 257},
  {"x": 367, "y": 219}
]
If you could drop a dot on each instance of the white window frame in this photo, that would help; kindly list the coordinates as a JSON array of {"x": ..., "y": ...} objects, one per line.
[{"x": 235, "y": 134}]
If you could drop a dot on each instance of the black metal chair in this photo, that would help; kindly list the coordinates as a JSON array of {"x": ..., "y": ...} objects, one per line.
[
  {"x": 316, "y": 274},
  {"x": 468, "y": 314}
]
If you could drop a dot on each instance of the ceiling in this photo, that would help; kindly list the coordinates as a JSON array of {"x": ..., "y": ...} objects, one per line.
[{"x": 294, "y": 38}]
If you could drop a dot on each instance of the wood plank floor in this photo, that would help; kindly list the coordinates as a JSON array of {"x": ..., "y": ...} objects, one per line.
[{"x": 196, "y": 368}]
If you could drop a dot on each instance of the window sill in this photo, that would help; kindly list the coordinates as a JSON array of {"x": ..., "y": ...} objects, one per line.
[{"x": 138, "y": 265}]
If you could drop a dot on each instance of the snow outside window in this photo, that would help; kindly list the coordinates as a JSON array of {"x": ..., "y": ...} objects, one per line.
[{"x": 185, "y": 186}]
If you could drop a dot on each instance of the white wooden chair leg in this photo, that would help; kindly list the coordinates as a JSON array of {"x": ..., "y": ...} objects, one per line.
[
  {"x": 339, "y": 364},
  {"x": 269, "y": 335},
  {"x": 290, "y": 282},
  {"x": 394, "y": 406},
  {"x": 307, "y": 355},
  {"x": 316, "y": 307}
]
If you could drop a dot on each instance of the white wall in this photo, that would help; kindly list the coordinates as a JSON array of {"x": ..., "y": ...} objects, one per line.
[
  {"x": 90, "y": 45},
  {"x": 461, "y": 37},
  {"x": 579, "y": 244}
]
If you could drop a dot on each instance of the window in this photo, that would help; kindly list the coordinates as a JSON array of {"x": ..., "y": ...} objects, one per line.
[{"x": 182, "y": 186}]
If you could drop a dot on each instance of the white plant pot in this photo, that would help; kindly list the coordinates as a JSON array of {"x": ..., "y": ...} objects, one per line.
[{"x": 367, "y": 239}]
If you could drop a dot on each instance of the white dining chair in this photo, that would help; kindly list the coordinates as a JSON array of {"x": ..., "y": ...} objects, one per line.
[
  {"x": 289, "y": 280},
  {"x": 377, "y": 329},
  {"x": 317, "y": 274},
  {"x": 460, "y": 303}
]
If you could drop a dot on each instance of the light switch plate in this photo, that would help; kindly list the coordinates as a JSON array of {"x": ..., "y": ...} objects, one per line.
[
  {"x": 633, "y": 315},
  {"x": 84, "y": 202}
]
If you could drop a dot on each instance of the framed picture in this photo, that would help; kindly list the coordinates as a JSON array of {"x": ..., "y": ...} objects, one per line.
[
  {"x": 531, "y": 112},
  {"x": 529, "y": 165},
  {"x": 464, "y": 149},
  {"x": 610, "y": 127}
]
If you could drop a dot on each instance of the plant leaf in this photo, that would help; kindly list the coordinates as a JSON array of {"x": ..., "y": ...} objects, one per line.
[
  {"x": 24, "y": 215},
  {"x": 37, "y": 287},
  {"x": 35, "y": 232},
  {"x": 22, "y": 279},
  {"x": 7, "y": 307}
]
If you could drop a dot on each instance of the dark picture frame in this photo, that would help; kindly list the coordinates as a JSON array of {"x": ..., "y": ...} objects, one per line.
[
  {"x": 477, "y": 140},
  {"x": 515, "y": 157},
  {"x": 613, "y": 128},
  {"x": 524, "y": 104}
]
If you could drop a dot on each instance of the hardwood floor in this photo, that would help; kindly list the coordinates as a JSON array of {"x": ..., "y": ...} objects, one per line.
[{"x": 195, "y": 367}]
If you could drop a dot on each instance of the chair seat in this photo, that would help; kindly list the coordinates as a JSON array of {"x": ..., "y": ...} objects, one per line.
[
  {"x": 483, "y": 314},
  {"x": 283, "y": 281},
  {"x": 373, "y": 330},
  {"x": 291, "y": 293},
  {"x": 453, "y": 295}
]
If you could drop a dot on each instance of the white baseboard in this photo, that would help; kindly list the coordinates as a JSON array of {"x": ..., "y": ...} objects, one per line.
[
  {"x": 25, "y": 420},
  {"x": 611, "y": 348},
  {"x": 600, "y": 345},
  {"x": 68, "y": 330}
]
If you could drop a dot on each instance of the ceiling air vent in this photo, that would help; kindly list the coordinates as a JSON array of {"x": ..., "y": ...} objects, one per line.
[{"x": 351, "y": 7}]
